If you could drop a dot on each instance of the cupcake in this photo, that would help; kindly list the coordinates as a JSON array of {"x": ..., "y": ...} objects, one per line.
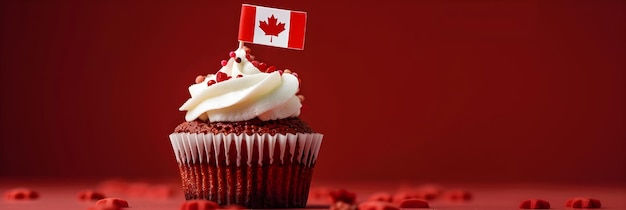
[{"x": 242, "y": 141}]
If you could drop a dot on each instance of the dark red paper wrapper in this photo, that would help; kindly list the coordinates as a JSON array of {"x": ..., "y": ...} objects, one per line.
[
  {"x": 253, "y": 186},
  {"x": 281, "y": 183}
]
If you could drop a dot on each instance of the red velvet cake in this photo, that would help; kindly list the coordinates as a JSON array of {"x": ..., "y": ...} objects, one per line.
[{"x": 243, "y": 141}]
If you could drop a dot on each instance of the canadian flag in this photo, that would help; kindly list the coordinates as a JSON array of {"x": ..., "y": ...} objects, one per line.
[{"x": 273, "y": 27}]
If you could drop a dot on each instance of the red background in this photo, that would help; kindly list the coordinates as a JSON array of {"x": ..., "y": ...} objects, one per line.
[{"x": 459, "y": 91}]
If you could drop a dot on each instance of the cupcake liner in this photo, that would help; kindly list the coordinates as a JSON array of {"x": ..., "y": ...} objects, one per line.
[{"x": 256, "y": 171}]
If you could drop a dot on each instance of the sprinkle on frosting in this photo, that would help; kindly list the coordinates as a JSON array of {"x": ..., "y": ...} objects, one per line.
[{"x": 244, "y": 89}]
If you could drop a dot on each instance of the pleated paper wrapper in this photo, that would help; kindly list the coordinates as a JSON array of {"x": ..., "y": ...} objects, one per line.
[{"x": 255, "y": 171}]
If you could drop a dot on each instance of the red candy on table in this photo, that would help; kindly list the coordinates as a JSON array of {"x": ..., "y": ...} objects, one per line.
[
  {"x": 199, "y": 205},
  {"x": 403, "y": 195},
  {"x": 112, "y": 203},
  {"x": 534, "y": 204},
  {"x": 414, "y": 203},
  {"x": 458, "y": 195},
  {"x": 104, "y": 208},
  {"x": 381, "y": 196},
  {"x": 88, "y": 195},
  {"x": 342, "y": 206},
  {"x": 377, "y": 205},
  {"x": 342, "y": 195},
  {"x": 21, "y": 194},
  {"x": 588, "y": 203},
  {"x": 319, "y": 194}
]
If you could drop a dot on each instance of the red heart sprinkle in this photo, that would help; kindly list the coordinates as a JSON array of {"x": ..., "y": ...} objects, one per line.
[
  {"x": 221, "y": 76},
  {"x": 534, "y": 204}
]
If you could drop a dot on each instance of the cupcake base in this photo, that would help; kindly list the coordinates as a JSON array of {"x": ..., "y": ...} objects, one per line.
[
  {"x": 272, "y": 186},
  {"x": 255, "y": 171}
]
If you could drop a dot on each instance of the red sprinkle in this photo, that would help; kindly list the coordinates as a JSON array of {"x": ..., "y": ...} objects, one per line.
[
  {"x": 200, "y": 78},
  {"x": 112, "y": 203},
  {"x": 255, "y": 64},
  {"x": 534, "y": 204},
  {"x": 342, "y": 195},
  {"x": 210, "y": 82},
  {"x": 232, "y": 54},
  {"x": 21, "y": 194},
  {"x": 588, "y": 203},
  {"x": 199, "y": 205},
  {"x": 377, "y": 205},
  {"x": 224, "y": 62},
  {"x": 249, "y": 57},
  {"x": 262, "y": 66},
  {"x": 239, "y": 76},
  {"x": 89, "y": 195},
  {"x": 221, "y": 76},
  {"x": 414, "y": 203},
  {"x": 270, "y": 69}
]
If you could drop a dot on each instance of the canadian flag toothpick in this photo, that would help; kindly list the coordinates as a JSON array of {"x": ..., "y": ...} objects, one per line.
[{"x": 273, "y": 27}]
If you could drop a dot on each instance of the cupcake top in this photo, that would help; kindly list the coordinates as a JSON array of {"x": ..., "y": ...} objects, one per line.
[{"x": 241, "y": 91}]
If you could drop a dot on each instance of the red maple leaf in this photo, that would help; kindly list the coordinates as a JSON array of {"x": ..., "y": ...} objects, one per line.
[{"x": 272, "y": 27}]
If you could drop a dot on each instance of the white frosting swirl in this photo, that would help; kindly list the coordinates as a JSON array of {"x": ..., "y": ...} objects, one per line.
[{"x": 268, "y": 96}]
